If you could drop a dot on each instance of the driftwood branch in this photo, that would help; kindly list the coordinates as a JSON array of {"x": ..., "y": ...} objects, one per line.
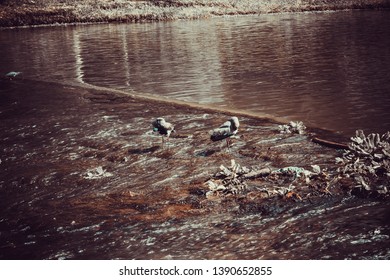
[
  {"x": 330, "y": 144},
  {"x": 257, "y": 173}
]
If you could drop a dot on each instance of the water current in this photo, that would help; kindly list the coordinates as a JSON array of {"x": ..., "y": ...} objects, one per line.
[
  {"x": 328, "y": 70},
  {"x": 83, "y": 177}
]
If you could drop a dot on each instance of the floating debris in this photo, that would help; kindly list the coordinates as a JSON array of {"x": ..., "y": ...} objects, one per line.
[
  {"x": 294, "y": 170},
  {"x": 293, "y": 127},
  {"x": 239, "y": 180},
  {"x": 367, "y": 162},
  {"x": 330, "y": 144},
  {"x": 228, "y": 180},
  {"x": 97, "y": 173}
]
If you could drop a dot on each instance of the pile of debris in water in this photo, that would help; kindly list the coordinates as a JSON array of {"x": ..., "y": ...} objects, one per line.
[
  {"x": 265, "y": 182},
  {"x": 292, "y": 127},
  {"x": 366, "y": 164},
  {"x": 364, "y": 168}
]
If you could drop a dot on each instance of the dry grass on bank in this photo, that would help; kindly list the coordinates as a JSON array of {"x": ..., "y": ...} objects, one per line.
[{"x": 35, "y": 12}]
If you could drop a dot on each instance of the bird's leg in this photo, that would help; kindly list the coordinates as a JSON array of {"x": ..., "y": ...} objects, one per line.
[
  {"x": 228, "y": 143},
  {"x": 162, "y": 142}
]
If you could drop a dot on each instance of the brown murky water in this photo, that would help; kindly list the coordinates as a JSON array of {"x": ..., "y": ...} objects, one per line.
[
  {"x": 150, "y": 203},
  {"x": 83, "y": 177},
  {"x": 328, "y": 70}
]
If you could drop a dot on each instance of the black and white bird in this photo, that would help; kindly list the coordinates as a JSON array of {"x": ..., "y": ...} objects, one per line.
[
  {"x": 12, "y": 74},
  {"x": 226, "y": 130},
  {"x": 163, "y": 127}
]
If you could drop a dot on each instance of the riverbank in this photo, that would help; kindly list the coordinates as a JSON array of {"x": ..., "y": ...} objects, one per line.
[{"x": 37, "y": 12}]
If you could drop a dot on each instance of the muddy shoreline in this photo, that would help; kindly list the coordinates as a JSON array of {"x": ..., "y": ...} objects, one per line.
[
  {"x": 81, "y": 161},
  {"x": 38, "y": 12}
]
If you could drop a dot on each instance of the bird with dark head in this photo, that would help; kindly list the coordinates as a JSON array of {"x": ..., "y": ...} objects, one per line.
[
  {"x": 163, "y": 128},
  {"x": 225, "y": 131}
]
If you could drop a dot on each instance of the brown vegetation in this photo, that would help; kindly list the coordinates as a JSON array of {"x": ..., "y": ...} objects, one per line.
[{"x": 37, "y": 12}]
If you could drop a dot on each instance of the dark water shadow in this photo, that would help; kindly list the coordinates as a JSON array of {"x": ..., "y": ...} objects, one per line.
[
  {"x": 144, "y": 151},
  {"x": 205, "y": 153}
]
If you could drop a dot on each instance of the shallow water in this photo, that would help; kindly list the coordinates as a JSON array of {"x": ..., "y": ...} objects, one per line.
[
  {"x": 328, "y": 70},
  {"x": 83, "y": 177}
]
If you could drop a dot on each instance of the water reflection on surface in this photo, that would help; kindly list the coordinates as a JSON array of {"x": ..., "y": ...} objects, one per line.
[{"x": 326, "y": 69}]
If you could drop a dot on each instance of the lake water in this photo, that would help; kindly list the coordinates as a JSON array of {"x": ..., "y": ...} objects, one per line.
[{"x": 329, "y": 69}]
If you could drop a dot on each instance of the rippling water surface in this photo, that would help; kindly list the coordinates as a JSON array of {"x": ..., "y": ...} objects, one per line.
[{"x": 327, "y": 69}]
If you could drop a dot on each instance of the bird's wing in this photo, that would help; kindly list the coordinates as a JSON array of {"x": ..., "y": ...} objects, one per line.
[
  {"x": 226, "y": 125},
  {"x": 169, "y": 128},
  {"x": 220, "y": 133}
]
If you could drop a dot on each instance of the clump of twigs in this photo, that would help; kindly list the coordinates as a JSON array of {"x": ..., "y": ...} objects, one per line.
[
  {"x": 292, "y": 127},
  {"x": 303, "y": 183},
  {"x": 232, "y": 180},
  {"x": 367, "y": 162},
  {"x": 364, "y": 168},
  {"x": 97, "y": 173},
  {"x": 292, "y": 181}
]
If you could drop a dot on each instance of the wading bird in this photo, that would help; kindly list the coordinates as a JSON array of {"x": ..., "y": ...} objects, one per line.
[
  {"x": 11, "y": 75},
  {"x": 226, "y": 130},
  {"x": 163, "y": 127}
]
